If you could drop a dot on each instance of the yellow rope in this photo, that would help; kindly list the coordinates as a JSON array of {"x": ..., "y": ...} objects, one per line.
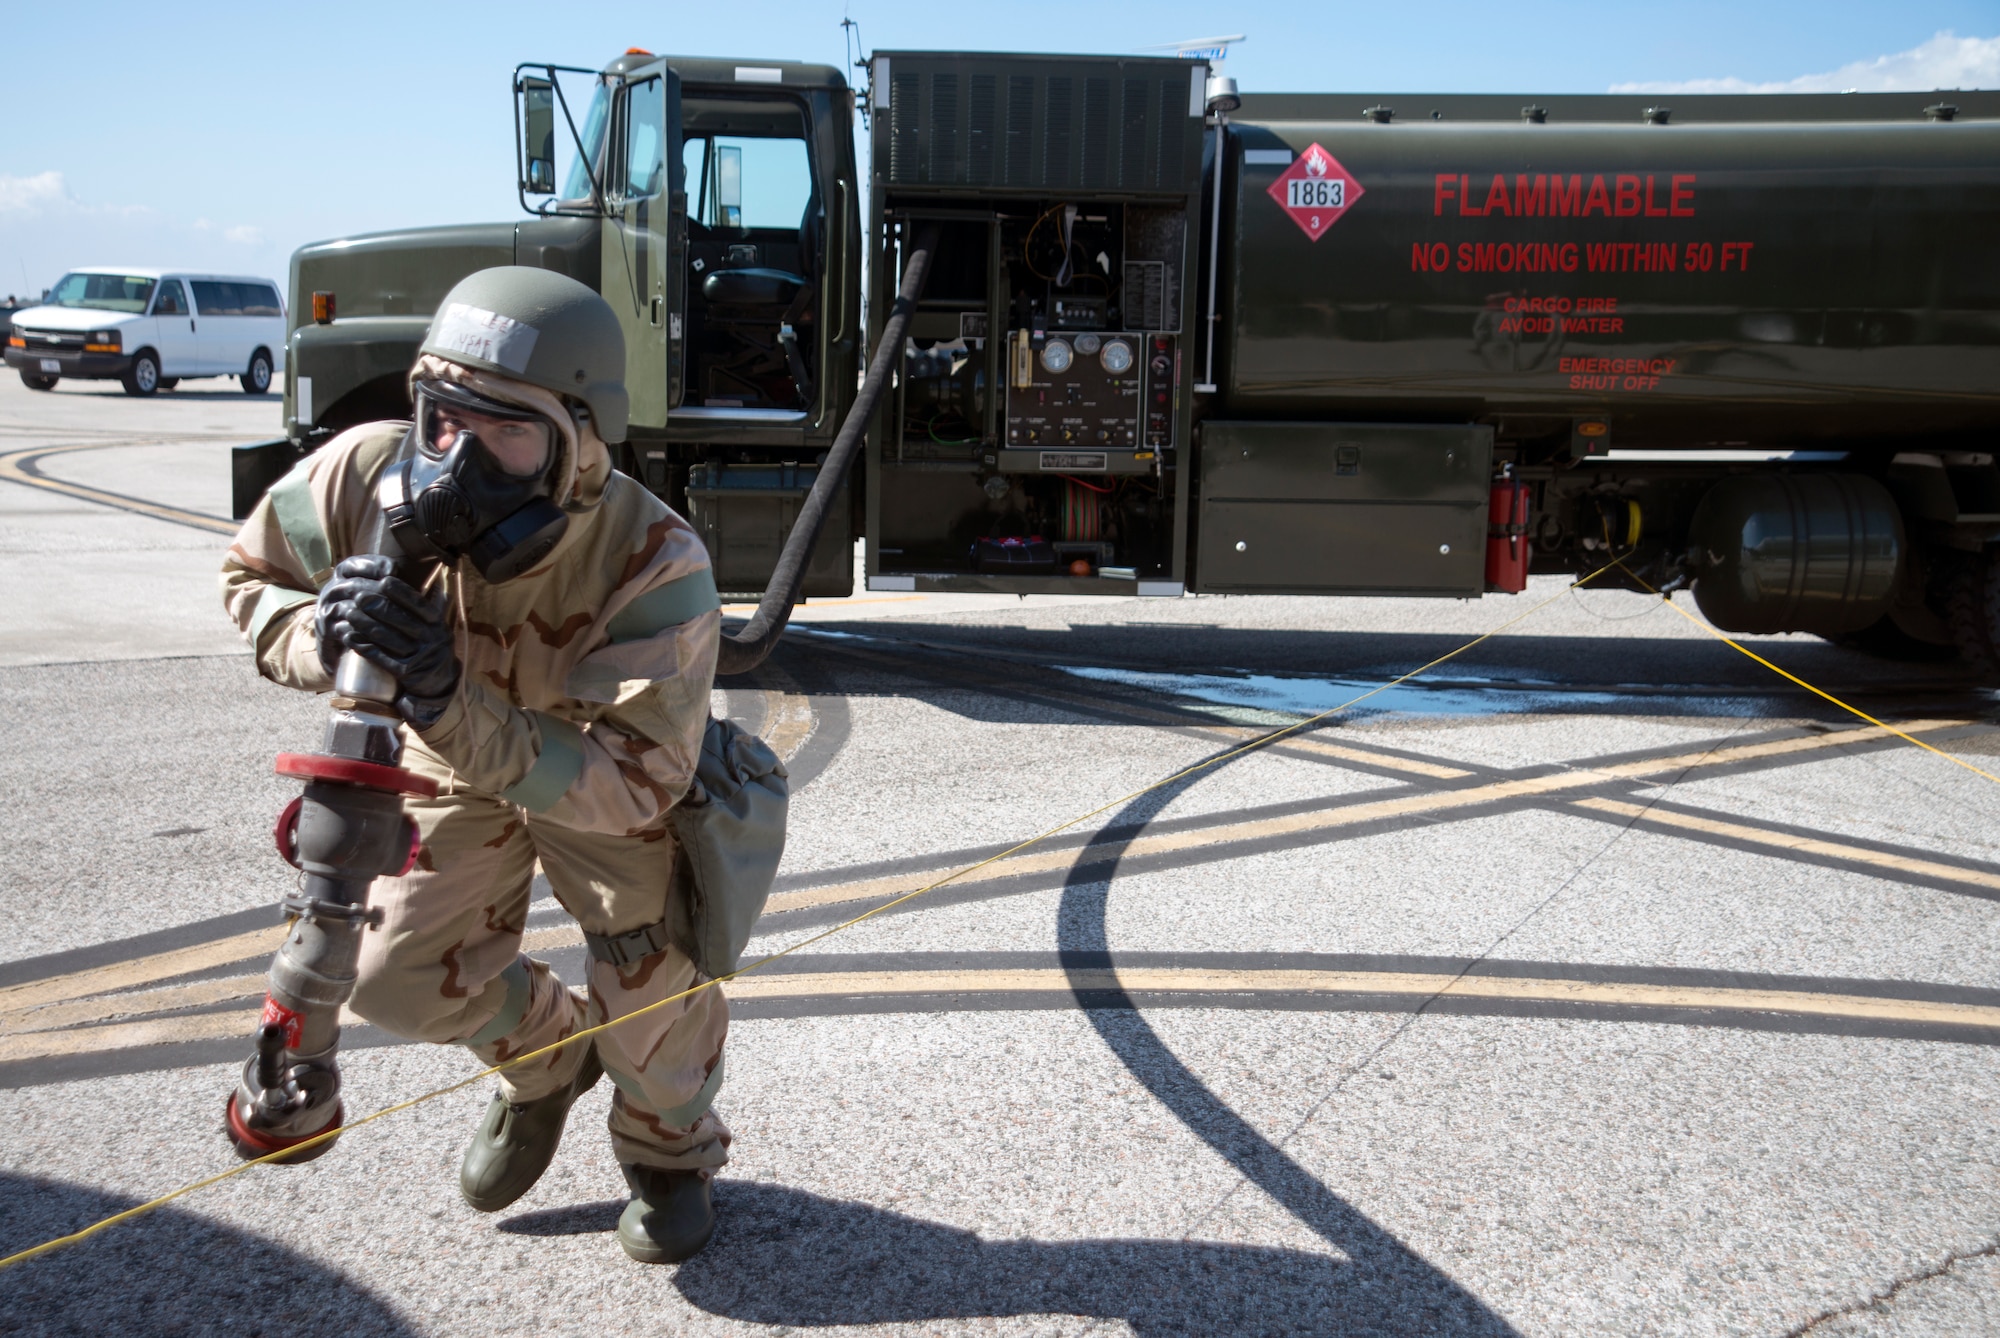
[
  {"x": 59, "y": 1242},
  {"x": 1731, "y": 642}
]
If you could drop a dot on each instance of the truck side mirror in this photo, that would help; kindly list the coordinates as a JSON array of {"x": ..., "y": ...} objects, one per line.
[
  {"x": 538, "y": 137},
  {"x": 729, "y": 186}
]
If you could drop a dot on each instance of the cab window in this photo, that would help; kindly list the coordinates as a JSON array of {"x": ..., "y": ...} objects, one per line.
[
  {"x": 739, "y": 182},
  {"x": 645, "y": 141}
]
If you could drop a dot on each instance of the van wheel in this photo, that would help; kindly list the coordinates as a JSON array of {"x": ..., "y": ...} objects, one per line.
[
  {"x": 256, "y": 379},
  {"x": 1972, "y": 610},
  {"x": 143, "y": 376},
  {"x": 35, "y": 381}
]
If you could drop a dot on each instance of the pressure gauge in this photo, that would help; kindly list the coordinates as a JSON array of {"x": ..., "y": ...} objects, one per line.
[
  {"x": 1117, "y": 357},
  {"x": 1056, "y": 356},
  {"x": 1087, "y": 344}
]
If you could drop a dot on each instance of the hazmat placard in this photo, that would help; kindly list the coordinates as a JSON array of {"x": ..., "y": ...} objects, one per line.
[{"x": 1316, "y": 190}]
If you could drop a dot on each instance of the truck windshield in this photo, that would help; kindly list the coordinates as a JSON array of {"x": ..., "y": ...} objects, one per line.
[
  {"x": 102, "y": 292},
  {"x": 583, "y": 169}
]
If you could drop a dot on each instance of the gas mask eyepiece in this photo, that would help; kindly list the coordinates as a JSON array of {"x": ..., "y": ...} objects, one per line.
[{"x": 473, "y": 482}]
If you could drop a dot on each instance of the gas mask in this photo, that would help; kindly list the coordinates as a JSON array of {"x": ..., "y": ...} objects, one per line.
[{"x": 473, "y": 482}]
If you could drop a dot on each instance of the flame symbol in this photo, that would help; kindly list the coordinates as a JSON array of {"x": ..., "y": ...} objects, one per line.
[{"x": 1316, "y": 163}]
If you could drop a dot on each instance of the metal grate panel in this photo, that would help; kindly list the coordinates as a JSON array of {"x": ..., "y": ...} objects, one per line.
[{"x": 1041, "y": 124}]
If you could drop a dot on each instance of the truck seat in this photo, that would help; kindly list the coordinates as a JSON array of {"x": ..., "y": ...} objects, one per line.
[{"x": 751, "y": 288}]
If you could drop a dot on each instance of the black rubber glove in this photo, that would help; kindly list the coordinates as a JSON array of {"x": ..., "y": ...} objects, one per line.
[{"x": 391, "y": 624}]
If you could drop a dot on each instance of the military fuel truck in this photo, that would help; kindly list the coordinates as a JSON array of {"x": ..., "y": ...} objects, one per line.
[{"x": 1166, "y": 336}]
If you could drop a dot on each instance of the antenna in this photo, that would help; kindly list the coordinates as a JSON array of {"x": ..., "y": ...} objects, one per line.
[
  {"x": 1214, "y": 50},
  {"x": 850, "y": 33}
]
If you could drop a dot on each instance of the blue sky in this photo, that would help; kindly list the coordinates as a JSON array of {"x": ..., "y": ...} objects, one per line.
[{"x": 194, "y": 135}]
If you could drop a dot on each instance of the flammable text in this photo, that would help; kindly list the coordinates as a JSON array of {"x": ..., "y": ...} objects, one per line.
[{"x": 1543, "y": 196}]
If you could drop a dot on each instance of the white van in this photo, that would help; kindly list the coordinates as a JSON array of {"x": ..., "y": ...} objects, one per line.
[{"x": 151, "y": 329}]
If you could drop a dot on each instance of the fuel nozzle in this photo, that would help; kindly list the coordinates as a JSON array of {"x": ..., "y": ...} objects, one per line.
[{"x": 347, "y": 829}]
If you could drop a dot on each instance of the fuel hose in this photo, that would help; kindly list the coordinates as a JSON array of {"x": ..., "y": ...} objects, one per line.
[{"x": 746, "y": 649}]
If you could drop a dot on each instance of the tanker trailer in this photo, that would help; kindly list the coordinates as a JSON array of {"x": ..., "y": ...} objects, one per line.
[{"x": 1748, "y": 343}]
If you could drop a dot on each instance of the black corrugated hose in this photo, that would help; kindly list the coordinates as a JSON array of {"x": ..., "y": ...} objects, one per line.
[{"x": 746, "y": 649}]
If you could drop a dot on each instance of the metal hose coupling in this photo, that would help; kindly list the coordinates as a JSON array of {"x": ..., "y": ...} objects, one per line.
[{"x": 347, "y": 829}]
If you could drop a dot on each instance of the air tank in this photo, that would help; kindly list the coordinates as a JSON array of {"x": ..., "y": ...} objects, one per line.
[{"x": 1720, "y": 271}]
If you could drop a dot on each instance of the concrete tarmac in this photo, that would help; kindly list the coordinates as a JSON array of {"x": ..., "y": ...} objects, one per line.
[{"x": 1599, "y": 982}]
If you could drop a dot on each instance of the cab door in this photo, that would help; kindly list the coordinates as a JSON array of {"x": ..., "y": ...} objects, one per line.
[{"x": 645, "y": 235}]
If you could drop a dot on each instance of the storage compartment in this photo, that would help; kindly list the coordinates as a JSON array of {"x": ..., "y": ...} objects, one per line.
[
  {"x": 744, "y": 512},
  {"x": 1333, "y": 508}
]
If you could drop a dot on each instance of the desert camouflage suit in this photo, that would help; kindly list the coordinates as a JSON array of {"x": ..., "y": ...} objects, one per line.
[{"x": 576, "y": 726}]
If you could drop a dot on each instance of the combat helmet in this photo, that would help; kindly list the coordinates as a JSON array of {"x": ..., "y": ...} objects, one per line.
[{"x": 544, "y": 328}]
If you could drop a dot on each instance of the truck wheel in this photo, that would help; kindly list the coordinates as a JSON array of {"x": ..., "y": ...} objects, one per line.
[
  {"x": 1972, "y": 609},
  {"x": 256, "y": 379},
  {"x": 34, "y": 381},
  {"x": 143, "y": 376}
]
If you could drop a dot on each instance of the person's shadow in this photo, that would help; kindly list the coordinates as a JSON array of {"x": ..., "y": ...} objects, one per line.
[{"x": 784, "y": 1256}]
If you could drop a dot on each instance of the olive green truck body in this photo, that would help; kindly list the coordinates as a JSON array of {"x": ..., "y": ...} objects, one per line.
[{"x": 1412, "y": 344}]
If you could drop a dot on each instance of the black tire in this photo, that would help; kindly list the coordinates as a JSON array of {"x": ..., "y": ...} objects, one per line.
[
  {"x": 1885, "y": 640},
  {"x": 142, "y": 378},
  {"x": 36, "y": 381},
  {"x": 1972, "y": 610},
  {"x": 169, "y": 382},
  {"x": 256, "y": 378}
]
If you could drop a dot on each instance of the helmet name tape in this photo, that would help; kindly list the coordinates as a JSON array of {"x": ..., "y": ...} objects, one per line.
[{"x": 479, "y": 333}]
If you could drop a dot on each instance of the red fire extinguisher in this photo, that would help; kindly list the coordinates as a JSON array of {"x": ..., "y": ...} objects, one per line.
[{"x": 1507, "y": 535}]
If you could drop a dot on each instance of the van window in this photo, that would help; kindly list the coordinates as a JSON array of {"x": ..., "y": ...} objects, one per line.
[
  {"x": 258, "y": 299},
  {"x": 172, "y": 301},
  {"x": 102, "y": 292}
]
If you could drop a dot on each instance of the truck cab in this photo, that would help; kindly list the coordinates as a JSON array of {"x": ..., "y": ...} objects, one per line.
[{"x": 712, "y": 203}]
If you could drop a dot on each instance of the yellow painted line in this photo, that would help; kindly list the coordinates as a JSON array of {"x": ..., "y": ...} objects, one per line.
[
  {"x": 141, "y": 970},
  {"x": 1046, "y": 861},
  {"x": 1180, "y": 980},
  {"x": 1139, "y": 980},
  {"x": 11, "y": 471},
  {"x": 788, "y": 718},
  {"x": 136, "y": 1004},
  {"x": 1803, "y": 845},
  {"x": 93, "y": 1010},
  {"x": 1386, "y": 761},
  {"x": 18, "y": 1003}
]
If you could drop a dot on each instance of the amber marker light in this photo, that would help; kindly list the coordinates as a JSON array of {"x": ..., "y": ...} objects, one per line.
[
  {"x": 637, "y": 51},
  {"x": 103, "y": 341},
  {"x": 323, "y": 308},
  {"x": 15, "y": 341}
]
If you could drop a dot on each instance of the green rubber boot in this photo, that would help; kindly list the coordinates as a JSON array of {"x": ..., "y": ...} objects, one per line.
[
  {"x": 516, "y": 1143},
  {"x": 669, "y": 1218}
]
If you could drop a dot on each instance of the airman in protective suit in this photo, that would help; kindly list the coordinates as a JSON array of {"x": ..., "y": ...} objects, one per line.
[{"x": 555, "y": 676}]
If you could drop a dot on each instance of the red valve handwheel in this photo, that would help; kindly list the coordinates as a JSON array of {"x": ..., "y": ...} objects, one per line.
[
  {"x": 286, "y": 833},
  {"x": 351, "y": 771}
]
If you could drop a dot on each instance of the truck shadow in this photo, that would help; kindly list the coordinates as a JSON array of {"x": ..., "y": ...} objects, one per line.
[
  {"x": 1412, "y": 1293},
  {"x": 785, "y": 1256},
  {"x": 167, "y": 1272}
]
